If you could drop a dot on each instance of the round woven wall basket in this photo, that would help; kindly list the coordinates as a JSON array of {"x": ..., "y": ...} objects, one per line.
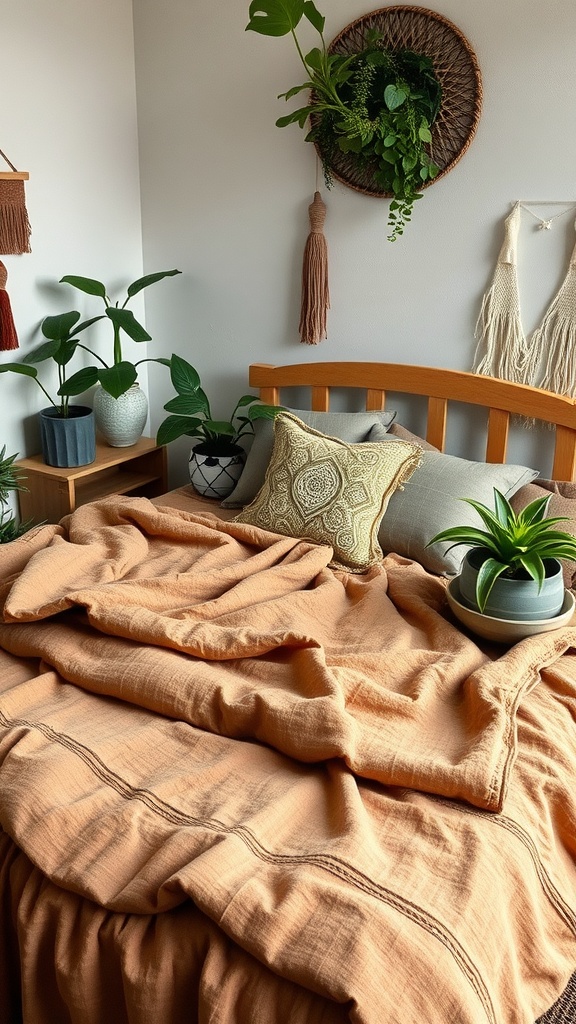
[{"x": 455, "y": 66}]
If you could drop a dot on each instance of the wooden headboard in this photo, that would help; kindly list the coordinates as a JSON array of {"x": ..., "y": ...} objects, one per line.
[{"x": 502, "y": 399}]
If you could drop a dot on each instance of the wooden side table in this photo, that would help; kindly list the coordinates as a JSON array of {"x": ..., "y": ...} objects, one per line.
[{"x": 53, "y": 492}]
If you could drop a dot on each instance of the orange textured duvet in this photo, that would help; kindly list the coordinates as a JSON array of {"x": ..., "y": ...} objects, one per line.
[{"x": 237, "y": 786}]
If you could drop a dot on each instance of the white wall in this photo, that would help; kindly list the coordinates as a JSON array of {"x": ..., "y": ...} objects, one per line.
[
  {"x": 69, "y": 118},
  {"x": 225, "y": 193}
]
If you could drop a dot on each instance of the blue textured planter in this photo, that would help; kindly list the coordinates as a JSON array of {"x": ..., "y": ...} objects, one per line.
[
  {"x": 69, "y": 441},
  {"x": 518, "y": 599}
]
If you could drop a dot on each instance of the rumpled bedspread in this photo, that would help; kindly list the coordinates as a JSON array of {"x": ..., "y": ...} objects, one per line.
[{"x": 367, "y": 806}]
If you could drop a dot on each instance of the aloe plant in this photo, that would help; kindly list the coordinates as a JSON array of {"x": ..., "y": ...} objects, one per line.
[
  {"x": 119, "y": 375},
  {"x": 516, "y": 544}
]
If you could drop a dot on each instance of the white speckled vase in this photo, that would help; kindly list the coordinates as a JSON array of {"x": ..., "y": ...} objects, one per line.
[{"x": 120, "y": 420}]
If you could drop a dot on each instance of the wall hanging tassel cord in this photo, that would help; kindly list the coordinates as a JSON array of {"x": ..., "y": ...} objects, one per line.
[
  {"x": 8, "y": 335},
  {"x": 14, "y": 224},
  {"x": 315, "y": 293}
]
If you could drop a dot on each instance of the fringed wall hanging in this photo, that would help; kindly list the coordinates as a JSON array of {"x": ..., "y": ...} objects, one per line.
[
  {"x": 503, "y": 350},
  {"x": 395, "y": 99},
  {"x": 8, "y": 335},
  {"x": 315, "y": 290},
  {"x": 14, "y": 224}
]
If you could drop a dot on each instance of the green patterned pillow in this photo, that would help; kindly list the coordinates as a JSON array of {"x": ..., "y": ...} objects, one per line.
[{"x": 326, "y": 490}]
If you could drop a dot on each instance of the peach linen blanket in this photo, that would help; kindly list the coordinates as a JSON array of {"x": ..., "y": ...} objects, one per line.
[{"x": 238, "y": 786}]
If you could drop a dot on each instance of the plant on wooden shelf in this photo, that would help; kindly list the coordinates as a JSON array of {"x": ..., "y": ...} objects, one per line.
[
  {"x": 120, "y": 407},
  {"x": 11, "y": 480},
  {"x": 376, "y": 105},
  {"x": 217, "y": 461},
  {"x": 512, "y": 568},
  {"x": 67, "y": 431}
]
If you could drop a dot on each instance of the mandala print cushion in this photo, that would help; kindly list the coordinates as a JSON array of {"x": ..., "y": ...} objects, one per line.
[{"x": 326, "y": 490}]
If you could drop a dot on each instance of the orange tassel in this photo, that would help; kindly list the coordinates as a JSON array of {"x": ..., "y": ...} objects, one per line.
[
  {"x": 8, "y": 335},
  {"x": 315, "y": 293}
]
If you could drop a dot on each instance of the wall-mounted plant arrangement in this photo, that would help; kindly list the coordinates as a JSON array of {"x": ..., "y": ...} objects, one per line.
[{"x": 393, "y": 101}]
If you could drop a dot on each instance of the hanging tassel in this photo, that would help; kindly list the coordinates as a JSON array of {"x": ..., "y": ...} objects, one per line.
[
  {"x": 557, "y": 338},
  {"x": 315, "y": 294},
  {"x": 14, "y": 224},
  {"x": 8, "y": 336}
]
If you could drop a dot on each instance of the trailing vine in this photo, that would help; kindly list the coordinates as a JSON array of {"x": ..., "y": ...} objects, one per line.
[{"x": 377, "y": 105}]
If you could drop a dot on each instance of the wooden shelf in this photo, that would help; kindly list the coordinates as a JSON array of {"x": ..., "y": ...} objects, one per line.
[{"x": 53, "y": 492}]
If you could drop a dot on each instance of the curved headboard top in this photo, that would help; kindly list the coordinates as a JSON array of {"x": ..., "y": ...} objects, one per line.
[{"x": 501, "y": 398}]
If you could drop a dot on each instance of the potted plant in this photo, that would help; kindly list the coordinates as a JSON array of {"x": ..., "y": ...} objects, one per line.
[
  {"x": 377, "y": 105},
  {"x": 120, "y": 407},
  {"x": 11, "y": 479},
  {"x": 217, "y": 461},
  {"x": 512, "y": 568},
  {"x": 67, "y": 431}
]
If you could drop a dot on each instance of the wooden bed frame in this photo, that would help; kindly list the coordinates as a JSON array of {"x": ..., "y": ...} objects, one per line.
[{"x": 503, "y": 399}]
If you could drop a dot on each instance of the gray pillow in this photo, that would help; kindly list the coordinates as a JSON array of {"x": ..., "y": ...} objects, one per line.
[
  {"x": 346, "y": 426},
  {"x": 431, "y": 501}
]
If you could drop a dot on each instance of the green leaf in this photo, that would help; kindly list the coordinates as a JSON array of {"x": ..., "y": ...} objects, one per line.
[
  {"x": 489, "y": 572},
  {"x": 145, "y": 282},
  {"x": 183, "y": 375},
  {"x": 314, "y": 59},
  {"x": 125, "y": 319},
  {"x": 274, "y": 17},
  {"x": 264, "y": 412},
  {"x": 246, "y": 400},
  {"x": 187, "y": 405},
  {"x": 26, "y": 371},
  {"x": 298, "y": 116},
  {"x": 57, "y": 327},
  {"x": 390, "y": 140},
  {"x": 85, "y": 284},
  {"x": 79, "y": 382},
  {"x": 219, "y": 427},
  {"x": 316, "y": 19},
  {"x": 118, "y": 378},
  {"x": 47, "y": 350},
  {"x": 424, "y": 134},
  {"x": 394, "y": 96},
  {"x": 178, "y": 426}
]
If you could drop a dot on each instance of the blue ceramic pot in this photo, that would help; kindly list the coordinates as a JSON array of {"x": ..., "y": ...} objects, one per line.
[
  {"x": 68, "y": 441},
  {"x": 518, "y": 599}
]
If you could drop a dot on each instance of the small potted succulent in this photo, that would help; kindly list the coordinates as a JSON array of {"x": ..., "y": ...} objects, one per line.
[
  {"x": 120, "y": 407},
  {"x": 512, "y": 568},
  {"x": 67, "y": 431},
  {"x": 217, "y": 461}
]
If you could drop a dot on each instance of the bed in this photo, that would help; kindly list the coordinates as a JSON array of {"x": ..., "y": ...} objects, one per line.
[{"x": 249, "y": 775}]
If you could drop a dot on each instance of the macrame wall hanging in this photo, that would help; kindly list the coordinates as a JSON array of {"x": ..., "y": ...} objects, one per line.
[
  {"x": 14, "y": 223},
  {"x": 547, "y": 357}
]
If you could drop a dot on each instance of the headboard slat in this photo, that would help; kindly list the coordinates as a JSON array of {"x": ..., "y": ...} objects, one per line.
[
  {"x": 436, "y": 423},
  {"x": 321, "y": 399},
  {"x": 497, "y": 439},
  {"x": 375, "y": 400},
  {"x": 564, "y": 467}
]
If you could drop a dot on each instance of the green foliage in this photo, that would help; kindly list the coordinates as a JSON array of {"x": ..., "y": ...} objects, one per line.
[
  {"x": 191, "y": 415},
  {"x": 515, "y": 544},
  {"x": 377, "y": 104},
  {"x": 11, "y": 479},
  {"x": 61, "y": 332},
  {"x": 119, "y": 375}
]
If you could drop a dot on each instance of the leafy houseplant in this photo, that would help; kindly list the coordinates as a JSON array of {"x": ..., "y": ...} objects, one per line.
[
  {"x": 118, "y": 376},
  {"x": 514, "y": 547},
  {"x": 377, "y": 104},
  {"x": 11, "y": 479},
  {"x": 191, "y": 416}
]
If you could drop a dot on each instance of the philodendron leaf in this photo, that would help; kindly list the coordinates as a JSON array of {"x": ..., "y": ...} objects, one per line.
[
  {"x": 264, "y": 412},
  {"x": 118, "y": 378},
  {"x": 314, "y": 17},
  {"x": 274, "y": 17},
  {"x": 57, "y": 327},
  {"x": 394, "y": 96},
  {"x": 144, "y": 282},
  {"x": 27, "y": 371},
  {"x": 187, "y": 405},
  {"x": 47, "y": 350},
  {"x": 85, "y": 284},
  {"x": 125, "y": 319},
  {"x": 177, "y": 426},
  {"x": 79, "y": 382}
]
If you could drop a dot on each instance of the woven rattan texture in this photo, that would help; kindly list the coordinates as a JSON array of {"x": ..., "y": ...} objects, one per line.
[
  {"x": 564, "y": 1011},
  {"x": 455, "y": 65}
]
